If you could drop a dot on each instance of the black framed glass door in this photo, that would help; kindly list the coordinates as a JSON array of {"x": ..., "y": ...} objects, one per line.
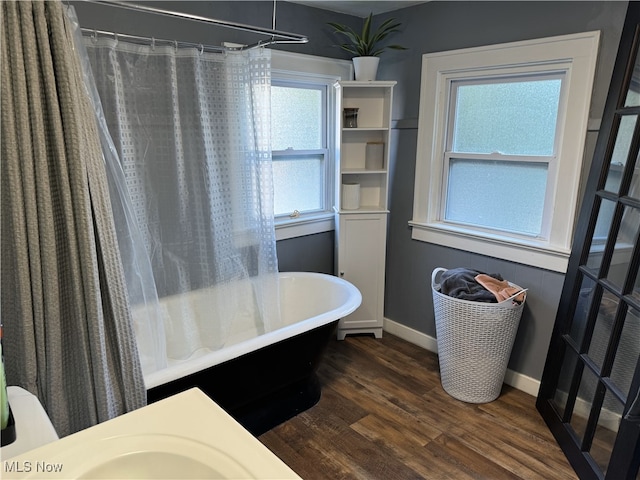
[{"x": 589, "y": 390}]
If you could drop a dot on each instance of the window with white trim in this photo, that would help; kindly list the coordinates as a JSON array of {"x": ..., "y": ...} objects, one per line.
[
  {"x": 302, "y": 99},
  {"x": 500, "y": 145}
]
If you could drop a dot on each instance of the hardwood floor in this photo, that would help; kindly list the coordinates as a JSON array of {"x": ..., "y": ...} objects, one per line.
[{"x": 384, "y": 415}]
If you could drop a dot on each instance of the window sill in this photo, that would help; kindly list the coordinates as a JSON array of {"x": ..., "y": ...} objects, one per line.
[
  {"x": 527, "y": 252},
  {"x": 304, "y": 225}
]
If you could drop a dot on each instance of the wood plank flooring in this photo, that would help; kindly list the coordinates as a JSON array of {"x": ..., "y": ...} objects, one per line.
[{"x": 384, "y": 415}]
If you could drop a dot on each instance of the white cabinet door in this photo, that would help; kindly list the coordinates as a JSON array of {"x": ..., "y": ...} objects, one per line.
[{"x": 361, "y": 261}]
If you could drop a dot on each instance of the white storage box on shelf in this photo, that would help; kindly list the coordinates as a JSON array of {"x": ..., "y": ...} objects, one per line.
[{"x": 475, "y": 340}]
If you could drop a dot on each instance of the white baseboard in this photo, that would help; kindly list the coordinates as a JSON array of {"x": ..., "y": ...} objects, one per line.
[
  {"x": 410, "y": 335},
  {"x": 516, "y": 380}
]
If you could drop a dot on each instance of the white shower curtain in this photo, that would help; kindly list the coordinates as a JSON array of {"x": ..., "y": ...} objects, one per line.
[{"x": 192, "y": 133}]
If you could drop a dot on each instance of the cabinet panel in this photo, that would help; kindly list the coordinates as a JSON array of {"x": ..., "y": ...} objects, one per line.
[{"x": 361, "y": 257}]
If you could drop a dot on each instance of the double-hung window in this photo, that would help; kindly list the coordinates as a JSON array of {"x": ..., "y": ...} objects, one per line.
[
  {"x": 500, "y": 146},
  {"x": 302, "y": 130},
  {"x": 299, "y": 147}
]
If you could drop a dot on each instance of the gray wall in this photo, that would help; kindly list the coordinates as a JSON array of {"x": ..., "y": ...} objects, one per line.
[
  {"x": 312, "y": 253},
  {"x": 430, "y": 27},
  {"x": 441, "y": 26}
]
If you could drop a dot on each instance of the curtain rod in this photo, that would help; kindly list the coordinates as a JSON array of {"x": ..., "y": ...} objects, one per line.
[
  {"x": 90, "y": 32},
  {"x": 277, "y": 36}
]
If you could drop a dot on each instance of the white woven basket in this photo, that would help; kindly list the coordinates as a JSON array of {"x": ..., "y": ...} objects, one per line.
[{"x": 474, "y": 343}]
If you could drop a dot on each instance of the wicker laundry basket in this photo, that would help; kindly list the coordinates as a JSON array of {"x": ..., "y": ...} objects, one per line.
[{"x": 474, "y": 343}]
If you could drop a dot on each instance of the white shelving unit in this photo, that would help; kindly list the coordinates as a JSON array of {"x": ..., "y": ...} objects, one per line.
[{"x": 361, "y": 229}]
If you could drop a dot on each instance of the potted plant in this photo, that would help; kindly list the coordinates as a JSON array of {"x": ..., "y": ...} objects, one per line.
[{"x": 366, "y": 45}]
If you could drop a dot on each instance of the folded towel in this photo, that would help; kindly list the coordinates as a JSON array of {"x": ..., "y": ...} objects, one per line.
[
  {"x": 461, "y": 283},
  {"x": 501, "y": 289}
]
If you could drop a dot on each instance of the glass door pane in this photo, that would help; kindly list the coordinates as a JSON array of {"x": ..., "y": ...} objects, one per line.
[
  {"x": 620, "y": 154},
  {"x": 606, "y": 431},
  {"x": 628, "y": 351}
]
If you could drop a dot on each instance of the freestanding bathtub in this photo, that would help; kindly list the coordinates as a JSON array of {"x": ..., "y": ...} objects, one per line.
[{"x": 265, "y": 379}]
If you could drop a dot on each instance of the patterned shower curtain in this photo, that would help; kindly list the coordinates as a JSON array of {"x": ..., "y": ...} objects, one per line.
[
  {"x": 192, "y": 133},
  {"x": 67, "y": 328}
]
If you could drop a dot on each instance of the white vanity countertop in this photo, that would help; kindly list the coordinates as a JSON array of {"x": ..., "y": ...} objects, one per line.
[{"x": 183, "y": 436}]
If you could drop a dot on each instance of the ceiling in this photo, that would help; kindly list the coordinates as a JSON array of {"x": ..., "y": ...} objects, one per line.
[{"x": 359, "y": 8}]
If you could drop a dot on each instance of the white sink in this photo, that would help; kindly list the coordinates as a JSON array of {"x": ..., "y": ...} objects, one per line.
[
  {"x": 186, "y": 436},
  {"x": 150, "y": 457}
]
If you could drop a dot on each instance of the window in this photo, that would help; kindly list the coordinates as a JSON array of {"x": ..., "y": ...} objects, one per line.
[
  {"x": 495, "y": 172},
  {"x": 299, "y": 147},
  {"x": 499, "y": 151},
  {"x": 302, "y": 97}
]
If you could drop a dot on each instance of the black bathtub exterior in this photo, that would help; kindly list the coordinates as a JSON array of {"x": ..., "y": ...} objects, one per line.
[{"x": 264, "y": 388}]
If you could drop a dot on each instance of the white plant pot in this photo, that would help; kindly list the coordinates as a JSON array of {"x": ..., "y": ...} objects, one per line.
[{"x": 365, "y": 68}]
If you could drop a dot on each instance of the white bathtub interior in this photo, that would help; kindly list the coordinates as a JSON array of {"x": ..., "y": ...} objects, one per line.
[{"x": 307, "y": 300}]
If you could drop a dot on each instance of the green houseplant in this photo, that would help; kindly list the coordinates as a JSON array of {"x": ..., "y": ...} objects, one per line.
[{"x": 366, "y": 46}]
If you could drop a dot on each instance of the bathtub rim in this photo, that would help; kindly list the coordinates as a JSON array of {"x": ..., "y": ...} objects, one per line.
[{"x": 200, "y": 362}]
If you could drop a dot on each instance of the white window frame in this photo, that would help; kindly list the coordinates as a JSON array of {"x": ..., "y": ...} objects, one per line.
[
  {"x": 292, "y": 68},
  {"x": 558, "y": 72},
  {"x": 573, "y": 55},
  {"x": 293, "y": 80}
]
